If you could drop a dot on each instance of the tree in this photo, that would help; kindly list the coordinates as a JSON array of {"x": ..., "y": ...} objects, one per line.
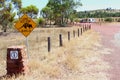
[
  {"x": 31, "y": 10},
  {"x": 62, "y": 9},
  {"x": 98, "y": 14},
  {"x": 7, "y": 13},
  {"x": 47, "y": 13}
]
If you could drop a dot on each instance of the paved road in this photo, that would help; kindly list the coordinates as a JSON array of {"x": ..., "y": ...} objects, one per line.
[{"x": 111, "y": 39}]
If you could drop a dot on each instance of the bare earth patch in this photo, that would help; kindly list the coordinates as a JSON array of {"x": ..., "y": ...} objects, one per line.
[{"x": 110, "y": 35}]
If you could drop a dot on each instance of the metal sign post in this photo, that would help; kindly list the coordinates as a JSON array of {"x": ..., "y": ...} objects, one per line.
[
  {"x": 25, "y": 25},
  {"x": 27, "y": 47}
]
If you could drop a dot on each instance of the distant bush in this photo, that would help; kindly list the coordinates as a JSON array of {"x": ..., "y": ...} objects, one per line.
[
  {"x": 40, "y": 22},
  {"x": 119, "y": 20},
  {"x": 108, "y": 19},
  {"x": 77, "y": 20}
]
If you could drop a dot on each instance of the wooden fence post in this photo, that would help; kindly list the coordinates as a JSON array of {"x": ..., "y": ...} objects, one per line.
[
  {"x": 73, "y": 33},
  {"x": 49, "y": 45},
  {"x": 87, "y": 27},
  {"x": 60, "y": 39},
  {"x": 83, "y": 28},
  {"x": 81, "y": 31},
  {"x": 90, "y": 27},
  {"x": 68, "y": 36},
  {"x": 78, "y": 32}
]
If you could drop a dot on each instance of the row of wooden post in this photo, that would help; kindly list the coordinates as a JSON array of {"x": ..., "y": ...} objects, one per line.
[
  {"x": 17, "y": 59},
  {"x": 83, "y": 29}
]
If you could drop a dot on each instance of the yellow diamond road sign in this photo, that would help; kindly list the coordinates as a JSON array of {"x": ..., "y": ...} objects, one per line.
[{"x": 25, "y": 25}]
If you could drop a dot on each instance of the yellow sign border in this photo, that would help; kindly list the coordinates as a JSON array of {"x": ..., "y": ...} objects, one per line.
[{"x": 19, "y": 24}]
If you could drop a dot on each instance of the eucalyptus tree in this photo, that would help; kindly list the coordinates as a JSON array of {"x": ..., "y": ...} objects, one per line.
[
  {"x": 7, "y": 12},
  {"x": 62, "y": 9},
  {"x": 31, "y": 10},
  {"x": 47, "y": 13}
]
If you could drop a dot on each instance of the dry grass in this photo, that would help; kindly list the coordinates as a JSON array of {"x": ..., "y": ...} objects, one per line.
[{"x": 78, "y": 59}]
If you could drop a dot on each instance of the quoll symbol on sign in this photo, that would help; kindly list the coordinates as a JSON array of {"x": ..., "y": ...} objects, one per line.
[
  {"x": 26, "y": 25},
  {"x": 13, "y": 54}
]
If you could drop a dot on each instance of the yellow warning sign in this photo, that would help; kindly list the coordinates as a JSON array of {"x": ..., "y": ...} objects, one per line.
[{"x": 25, "y": 25}]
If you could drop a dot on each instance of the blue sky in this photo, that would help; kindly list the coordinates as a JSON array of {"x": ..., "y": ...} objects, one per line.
[
  {"x": 38, "y": 3},
  {"x": 87, "y": 4},
  {"x": 99, "y": 4}
]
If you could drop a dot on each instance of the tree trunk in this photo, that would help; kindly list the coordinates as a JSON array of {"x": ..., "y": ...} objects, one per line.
[
  {"x": 62, "y": 19},
  {"x": 50, "y": 22},
  {"x": 4, "y": 29}
]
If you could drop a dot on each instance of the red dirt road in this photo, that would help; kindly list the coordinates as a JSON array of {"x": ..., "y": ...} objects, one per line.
[{"x": 110, "y": 34}]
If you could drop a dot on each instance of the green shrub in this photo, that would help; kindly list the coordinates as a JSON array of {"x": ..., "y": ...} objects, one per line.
[
  {"x": 77, "y": 20},
  {"x": 40, "y": 21},
  {"x": 108, "y": 19}
]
